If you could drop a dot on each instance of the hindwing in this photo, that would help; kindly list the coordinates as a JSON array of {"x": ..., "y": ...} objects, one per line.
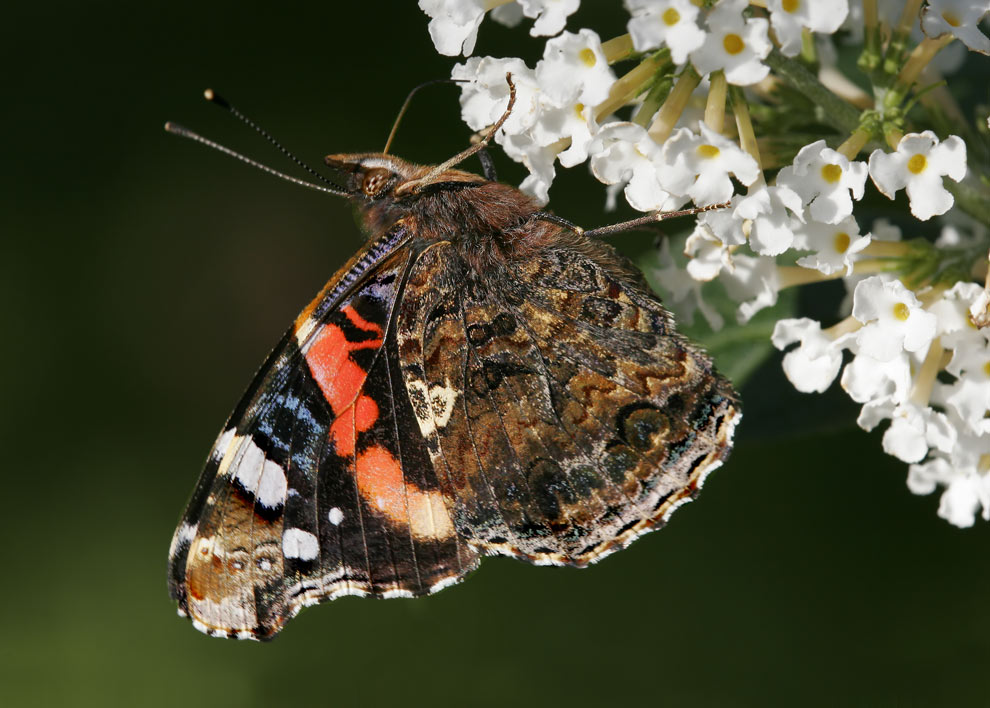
[{"x": 564, "y": 411}]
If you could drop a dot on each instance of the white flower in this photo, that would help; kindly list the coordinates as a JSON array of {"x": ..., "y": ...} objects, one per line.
[
  {"x": 790, "y": 17},
  {"x": 834, "y": 245},
  {"x": 813, "y": 366},
  {"x": 979, "y": 311},
  {"x": 913, "y": 429},
  {"x": 882, "y": 230},
  {"x": 656, "y": 23},
  {"x": 773, "y": 213},
  {"x": 963, "y": 473},
  {"x": 538, "y": 159},
  {"x": 574, "y": 69},
  {"x": 919, "y": 164},
  {"x": 486, "y": 94},
  {"x": 734, "y": 44},
  {"x": 754, "y": 282},
  {"x": 867, "y": 379},
  {"x": 710, "y": 245},
  {"x": 969, "y": 396},
  {"x": 624, "y": 152},
  {"x": 699, "y": 165},
  {"x": 454, "y": 24},
  {"x": 682, "y": 292},
  {"x": 825, "y": 179},
  {"x": 963, "y": 497},
  {"x": 708, "y": 253},
  {"x": 955, "y": 328},
  {"x": 960, "y": 18},
  {"x": 510, "y": 14},
  {"x": 893, "y": 318},
  {"x": 575, "y": 123},
  {"x": 550, "y": 15}
]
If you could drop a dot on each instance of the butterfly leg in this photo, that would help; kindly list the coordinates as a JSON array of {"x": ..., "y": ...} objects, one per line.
[
  {"x": 416, "y": 185},
  {"x": 648, "y": 220},
  {"x": 558, "y": 220},
  {"x": 487, "y": 166}
]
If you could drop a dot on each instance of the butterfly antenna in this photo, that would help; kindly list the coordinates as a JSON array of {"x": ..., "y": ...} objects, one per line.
[
  {"x": 176, "y": 129},
  {"x": 415, "y": 185},
  {"x": 215, "y": 98},
  {"x": 405, "y": 106}
]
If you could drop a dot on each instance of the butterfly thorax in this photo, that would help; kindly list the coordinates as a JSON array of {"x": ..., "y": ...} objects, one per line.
[{"x": 487, "y": 219}]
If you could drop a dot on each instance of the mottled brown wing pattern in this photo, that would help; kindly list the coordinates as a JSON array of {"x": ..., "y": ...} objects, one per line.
[{"x": 567, "y": 414}]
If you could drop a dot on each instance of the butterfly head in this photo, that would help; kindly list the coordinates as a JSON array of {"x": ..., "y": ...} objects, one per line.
[{"x": 377, "y": 176}]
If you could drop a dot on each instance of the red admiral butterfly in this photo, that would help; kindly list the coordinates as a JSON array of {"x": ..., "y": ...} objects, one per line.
[{"x": 481, "y": 378}]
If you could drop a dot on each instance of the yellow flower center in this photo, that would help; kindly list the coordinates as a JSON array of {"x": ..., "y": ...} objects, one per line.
[
  {"x": 917, "y": 164},
  {"x": 841, "y": 242},
  {"x": 831, "y": 173},
  {"x": 901, "y": 311},
  {"x": 588, "y": 57},
  {"x": 708, "y": 151},
  {"x": 986, "y": 368},
  {"x": 579, "y": 110},
  {"x": 733, "y": 43},
  {"x": 950, "y": 18},
  {"x": 790, "y": 5},
  {"x": 670, "y": 17}
]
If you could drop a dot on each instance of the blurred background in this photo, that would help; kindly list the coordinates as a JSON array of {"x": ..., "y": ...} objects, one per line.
[{"x": 142, "y": 280}]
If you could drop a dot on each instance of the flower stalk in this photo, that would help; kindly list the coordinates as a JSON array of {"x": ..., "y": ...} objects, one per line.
[{"x": 673, "y": 107}]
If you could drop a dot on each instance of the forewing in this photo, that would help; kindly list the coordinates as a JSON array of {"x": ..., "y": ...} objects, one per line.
[
  {"x": 320, "y": 484},
  {"x": 558, "y": 403}
]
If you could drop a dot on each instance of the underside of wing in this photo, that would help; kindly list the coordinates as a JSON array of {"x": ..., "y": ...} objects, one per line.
[
  {"x": 320, "y": 485},
  {"x": 560, "y": 408}
]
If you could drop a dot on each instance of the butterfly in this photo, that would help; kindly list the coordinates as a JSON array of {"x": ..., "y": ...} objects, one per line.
[{"x": 481, "y": 378}]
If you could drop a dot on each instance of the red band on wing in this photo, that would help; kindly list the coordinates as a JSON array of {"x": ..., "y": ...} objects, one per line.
[
  {"x": 378, "y": 474},
  {"x": 340, "y": 377}
]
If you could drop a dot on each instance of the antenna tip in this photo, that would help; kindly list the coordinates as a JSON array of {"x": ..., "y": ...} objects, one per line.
[{"x": 213, "y": 97}]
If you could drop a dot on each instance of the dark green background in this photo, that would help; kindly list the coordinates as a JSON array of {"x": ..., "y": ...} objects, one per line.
[{"x": 142, "y": 280}]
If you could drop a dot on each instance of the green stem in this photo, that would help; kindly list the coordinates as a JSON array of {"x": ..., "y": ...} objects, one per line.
[
  {"x": 841, "y": 113},
  {"x": 675, "y": 104}
]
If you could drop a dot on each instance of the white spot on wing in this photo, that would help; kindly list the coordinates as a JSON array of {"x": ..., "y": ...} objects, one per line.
[
  {"x": 184, "y": 535},
  {"x": 336, "y": 516},
  {"x": 272, "y": 487},
  {"x": 300, "y": 544},
  {"x": 187, "y": 532},
  {"x": 221, "y": 445},
  {"x": 248, "y": 470},
  {"x": 261, "y": 477}
]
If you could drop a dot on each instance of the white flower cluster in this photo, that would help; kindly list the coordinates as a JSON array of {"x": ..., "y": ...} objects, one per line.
[
  {"x": 565, "y": 105},
  {"x": 915, "y": 359},
  {"x": 900, "y": 344}
]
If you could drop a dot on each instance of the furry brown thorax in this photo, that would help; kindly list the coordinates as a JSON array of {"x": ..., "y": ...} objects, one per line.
[{"x": 455, "y": 203}]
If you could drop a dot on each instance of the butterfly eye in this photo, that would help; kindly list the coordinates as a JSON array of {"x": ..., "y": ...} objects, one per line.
[{"x": 375, "y": 181}]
